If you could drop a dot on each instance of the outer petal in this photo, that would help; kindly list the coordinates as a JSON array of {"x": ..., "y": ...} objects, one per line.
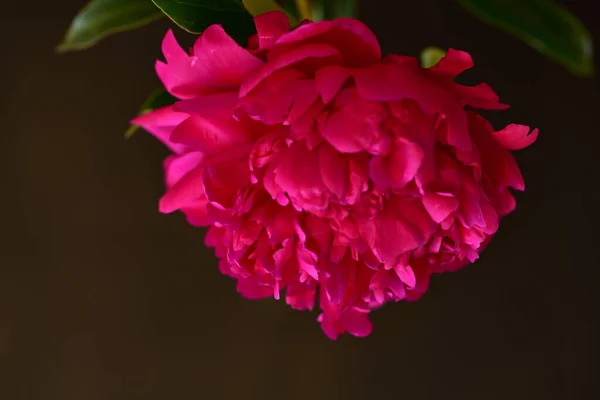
[
  {"x": 300, "y": 296},
  {"x": 516, "y": 137},
  {"x": 455, "y": 62},
  {"x": 209, "y": 136},
  {"x": 213, "y": 106},
  {"x": 161, "y": 123},
  {"x": 352, "y": 38},
  {"x": 356, "y": 322},
  {"x": 270, "y": 27},
  {"x": 254, "y": 289},
  {"x": 498, "y": 163},
  {"x": 176, "y": 167},
  {"x": 196, "y": 213},
  {"x": 452, "y": 64},
  {"x": 218, "y": 64},
  {"x": 185, "y": 192},
  {"x": 478, "y": 96}
]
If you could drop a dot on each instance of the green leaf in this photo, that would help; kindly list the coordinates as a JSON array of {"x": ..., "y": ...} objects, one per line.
[
  {"x": 331, "y": 9},
  {"x": 290, "y": 6},
  {"x": 343, "y": 9},
  {"x": 544, "y": 25},
  {"x": 257, "y": 7},
  {"x": 100, "y": 18},
  {"x": 196, "y": 15},
  {"x": 157, "y": 99},
  {"x": 431, "y": 55}
]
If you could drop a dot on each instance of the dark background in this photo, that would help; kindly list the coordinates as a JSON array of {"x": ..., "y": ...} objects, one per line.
[{"x": 102, "y": 297}]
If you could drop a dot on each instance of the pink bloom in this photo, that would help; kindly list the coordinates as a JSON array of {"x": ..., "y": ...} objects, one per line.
[{"x": 328, "y": 173}]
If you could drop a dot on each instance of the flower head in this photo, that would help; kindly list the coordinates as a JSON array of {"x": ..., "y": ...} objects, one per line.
[{"x": 328, "y": 173}]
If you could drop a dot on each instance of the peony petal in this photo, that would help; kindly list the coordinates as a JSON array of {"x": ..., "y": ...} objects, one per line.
[
  {"x": 386, "y": 283},
  {"x": 298, "y": 175},
  {"x": 498, "y": 163},
  {"x": 307, "y": 262},
  {"x": 209, "y": 137},
  {"x": 333, "y": 170},
  {"x": 171, "y": 49},
  {"x": 516, "y": 137},
  {"x": 304, "y": 97},
  {"x": 272, "y": 100},
  {"x": 196, "y": 213},
  {"x": 321, "y": 53},
  {"x": 213, "y": 106},
  {"x": 354, "y": 126},
  {"x": 330, "y": 80},
  {"x": 280, "y": 223},
  {"x": 161, "y": 123},
  {"x": 470, "y": 210},
  {"x": 300, "y": 297},
  {"x": 478, "y": 96},
  {"x": 176, "y": 167},
  {"x": 346, "y": 177},
  {"x": 355, "y": 41},
  {"x": 452, "y": 64},
  {"x": 403, "y": 226},
  {"x": 395, "y": 170},
  {"x": 270, "y": 27},
  {"x": 406, "y": 275},
  {"x": 225, "y": 174},
  {"x": 328, "y": 324},
  {"x": 218, "y": 64},
  {"x": 440, "y": 206},
  {"x": 188, "y": 189},
  {"x": 422, "y": 273},
  {"x": 490, "y": 217},
  {"x": 356, "y": 322},
  {"x": 254, "y": 289}
]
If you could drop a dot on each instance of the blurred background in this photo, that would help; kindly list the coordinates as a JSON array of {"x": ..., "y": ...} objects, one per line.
[{"x": 102, "y": 297}]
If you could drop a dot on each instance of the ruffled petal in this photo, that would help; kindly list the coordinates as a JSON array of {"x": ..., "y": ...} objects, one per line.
[
  {"x": 355, "y": 41},
  {"x": 452, "y": 64},
  {"x": 218, "y": 64},
  {"x": 516, "y": 137},
  {"x": 402, "y": 78}
]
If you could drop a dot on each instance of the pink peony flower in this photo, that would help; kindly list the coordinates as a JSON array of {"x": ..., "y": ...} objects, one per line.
[{"x": 325, "y": 171}]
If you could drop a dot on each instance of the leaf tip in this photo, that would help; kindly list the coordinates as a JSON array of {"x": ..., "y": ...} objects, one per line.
[
  {"x": 130, "y": 131},
  {"x": 63, "y": 47}
]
